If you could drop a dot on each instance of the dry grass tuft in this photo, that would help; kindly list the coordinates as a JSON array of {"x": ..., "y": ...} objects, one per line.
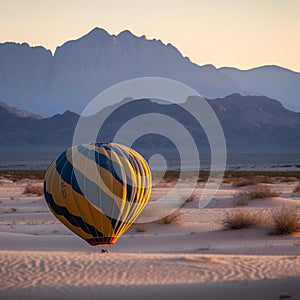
[
  {"x": 285, "y": 220},
  {"x": 34, "y": 189},
  {"x": 297, "y": 188},
  {"x": 288, "y": 179},
  {"x": 173, "y": 218},
  {"x": 238, "y": 182},
  {"x": 264, "y": 179},
  {"x": 239, "y": 219},
  {"x": 258, "y": 192}
]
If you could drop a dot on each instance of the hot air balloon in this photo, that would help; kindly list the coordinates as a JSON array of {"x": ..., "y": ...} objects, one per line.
[{"x": 98, "y": 190}]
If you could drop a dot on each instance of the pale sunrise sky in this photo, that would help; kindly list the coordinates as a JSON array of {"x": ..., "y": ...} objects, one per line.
[{"x": 237, "y": 33}]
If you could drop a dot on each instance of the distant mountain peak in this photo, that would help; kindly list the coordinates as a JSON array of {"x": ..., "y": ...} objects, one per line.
[
  {"x": 272, "y": 81},
  {"x": 96, "y": 33},
  {"x": 69, "y": 113},
  {"x": 264, "y": 67},
  {"x": 98, "y": 30},
  {"x": 24, "y": 46},
  {"x": 126, "y": 33},
  {"x": 18, "y": 112}
]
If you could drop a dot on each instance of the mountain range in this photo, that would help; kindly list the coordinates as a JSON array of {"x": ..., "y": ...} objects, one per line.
[
  {"x": 19, "y": 112},
  {"x": 36, "y": 80},
  {"x": 251, "y": 124}
]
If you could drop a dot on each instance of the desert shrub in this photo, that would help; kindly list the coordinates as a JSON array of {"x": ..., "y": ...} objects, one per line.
[
  {"x": 297, "y": 188},
  {"x": 238, "y": 182},
  {"x": 263, "y": 179},
  {"x": 239, "y": 219},
  {"x": 285, "y": 220},
  {"x": 33, "y": 189},
  {"x": 172, "y": 218},
  {"x": 288, "y": 179},
  {"x": 257, "y": 192}
]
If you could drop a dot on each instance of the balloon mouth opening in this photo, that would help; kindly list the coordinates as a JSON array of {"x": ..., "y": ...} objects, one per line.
[{"x": 101, "y": 241}]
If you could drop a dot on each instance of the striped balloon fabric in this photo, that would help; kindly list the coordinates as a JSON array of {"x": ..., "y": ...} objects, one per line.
[{"x": 98, "y": 190}]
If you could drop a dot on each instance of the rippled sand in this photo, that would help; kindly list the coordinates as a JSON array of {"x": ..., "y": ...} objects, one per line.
[{"x": 60, "y": 273}]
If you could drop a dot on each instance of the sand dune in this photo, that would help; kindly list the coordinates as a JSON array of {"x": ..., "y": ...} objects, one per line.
[
  {"x": 192, "y": 259},
  {"x": 35, "y": 273}
]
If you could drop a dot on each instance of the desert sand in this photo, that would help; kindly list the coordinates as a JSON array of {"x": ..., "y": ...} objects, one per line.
[{"x": 193, "y": 258}]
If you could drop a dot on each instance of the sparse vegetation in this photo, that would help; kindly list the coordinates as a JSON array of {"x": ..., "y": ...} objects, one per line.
[
  {"x": 285, "y": 220},
  {"x": 257, "y": 192},
  {"x": 264, "y": 179},
  {"x": 264, "y": 175},
  {"x": 16, "y": 175},
  {"x": 297, "y": 188},
  {"x": 238, "y": 182},
  {"x": 239, "y": 219},
  {"x": 172, "y": 218},
  {"x": 244, "y": 178},
  {"x": 288, "y": 179},
  {"x": 33, "y": 189}
]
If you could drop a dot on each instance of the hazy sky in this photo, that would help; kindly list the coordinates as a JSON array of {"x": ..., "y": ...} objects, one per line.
[{"x": 240, "y": 33}]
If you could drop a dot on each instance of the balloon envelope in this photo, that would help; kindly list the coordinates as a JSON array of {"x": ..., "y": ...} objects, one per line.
[{"x": 98, "y": 190}]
